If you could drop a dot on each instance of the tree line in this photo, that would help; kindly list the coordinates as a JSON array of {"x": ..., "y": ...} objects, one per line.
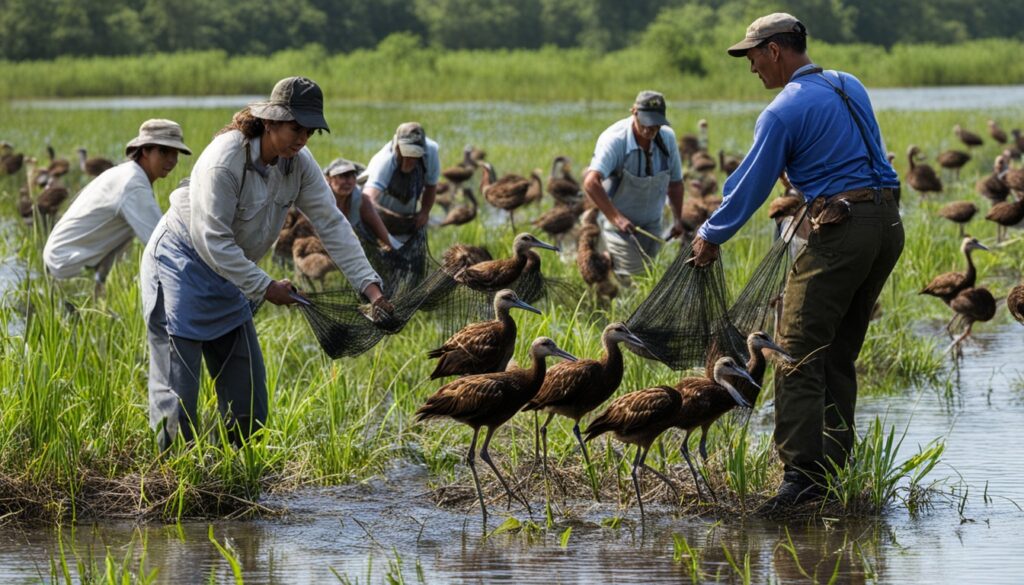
[{"x": 47, "y": 29}]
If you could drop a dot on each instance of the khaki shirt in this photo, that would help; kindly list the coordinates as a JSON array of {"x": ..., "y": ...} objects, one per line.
[{"x": 232, "y": 224}]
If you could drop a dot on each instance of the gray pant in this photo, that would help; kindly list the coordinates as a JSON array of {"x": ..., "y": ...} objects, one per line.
[{"x": 235, "y": 362}]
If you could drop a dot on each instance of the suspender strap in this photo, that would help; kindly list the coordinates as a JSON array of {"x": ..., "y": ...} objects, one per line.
[{"x": 840, "y": 91}]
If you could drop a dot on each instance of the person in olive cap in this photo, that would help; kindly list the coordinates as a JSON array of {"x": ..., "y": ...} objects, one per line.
[
  {"x": 200, "y": 278},
  {"x": 115, "y": 207},
  {"x": 635, "y": 166},
  {"x": 361, "y": 214},
  {"x": 404, "y": 172},
  {"x": 821, "y": 130}
]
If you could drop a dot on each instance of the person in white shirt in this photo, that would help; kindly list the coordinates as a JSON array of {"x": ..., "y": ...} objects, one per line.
[{"x": 115, "y": 207}]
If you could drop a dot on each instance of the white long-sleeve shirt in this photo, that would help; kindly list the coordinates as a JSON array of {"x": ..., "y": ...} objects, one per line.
[
  {"x": 110, "y": 210},
  {"x": 232, "y": 225}
]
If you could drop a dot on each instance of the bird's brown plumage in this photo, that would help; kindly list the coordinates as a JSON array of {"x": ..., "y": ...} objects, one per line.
[
  {"x": 949, "y": 284},
  {"x": 967, "y": 137},
  {"x": 311, "y": 258},
  {"x": 959, "y": 212},
  {"x": 1015, "y": 302},
  {"x": 479, "y": 348},
  {"x": 921, "y": 177}
]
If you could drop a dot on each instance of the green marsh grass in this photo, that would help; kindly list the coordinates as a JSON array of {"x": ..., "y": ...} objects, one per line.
[{"x": 74, "y": 438}]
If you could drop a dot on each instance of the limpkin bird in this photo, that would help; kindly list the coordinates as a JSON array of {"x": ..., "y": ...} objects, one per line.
[
  {"x": 992, "y": 186},
  {"x": 728, "y": 162},
  {"x": 312, "y": 260},
  {"x": 508, "y": 192},
  {"x": 1013, "y": 177},
  {"x": 638, "y": 418},
  {"x": 559, "y": 220},
  {"x": 967, "y": 137},
  {"x": 953, "y": 160},
  {"x": 460, "y": 256},
  {"x": 483, "y": 347},
  {"x": 947, "y": 285},
  {"x": 573, "y": 389},
  {"x": 921, "y": 176},
  {"x": 490, "y": 400},
  {"x": 702, "y": 162},
  {"x": 93, "y": 166},
  {"x": 1015, "y": 302},
  {"x": 10, "y": 161},
  {"x": 494, "y": 275},
  {"x": 1006, "y": 214},
  {"x": 595, "y": 265},
  {"x": 462, "y": 214},
  {"x": 561, "y": 184},
  {"x": 462, "y": 172},
  {"x": 996, "y": 132},
  {"x": 536, "y": 190},
  {"x": 296, "y": 225},
  {"x": 958, "y": 212},
  {"x": 704, "y": 402},
  {"x": 971, "y": 305}
]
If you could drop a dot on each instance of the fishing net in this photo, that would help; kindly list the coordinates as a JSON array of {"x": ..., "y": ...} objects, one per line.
[
  {"x": 401, "y": 269},
  {"x": 684, "y": 322}
]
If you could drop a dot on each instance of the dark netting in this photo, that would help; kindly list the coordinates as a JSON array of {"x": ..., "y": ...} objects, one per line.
[
  {"x": 402, "y": 269},
  {"x": 685, "y": 315},
  {"x": 345, "y": 325}
]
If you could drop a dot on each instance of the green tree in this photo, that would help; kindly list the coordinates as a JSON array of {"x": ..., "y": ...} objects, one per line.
[{"x": 680, "y": 35}]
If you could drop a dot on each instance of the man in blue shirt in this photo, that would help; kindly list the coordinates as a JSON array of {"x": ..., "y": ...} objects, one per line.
[
  {"x": 635, "y": 166},
  {"x": 822, "y": 131}
]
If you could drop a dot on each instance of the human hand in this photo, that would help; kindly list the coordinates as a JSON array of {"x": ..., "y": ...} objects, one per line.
[
  {"x": 704, "y": 252},
  {"x": 678, "y": 229},
  {"x": 279, "y": 292},
  {"x": 623, "y": 224},
  {"x": 382, "y": 313},
  {"x": 422, "y": 218}
]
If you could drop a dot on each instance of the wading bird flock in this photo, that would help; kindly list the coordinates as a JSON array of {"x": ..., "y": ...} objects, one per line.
[{"x": 491, "y": 389}]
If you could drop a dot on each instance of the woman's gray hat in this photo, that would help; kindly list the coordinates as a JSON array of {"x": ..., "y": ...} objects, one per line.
[
  {"x": 294, "y": 98},
  {"x": 340, "y": 166},
  {"x": 158, "y": 131}
]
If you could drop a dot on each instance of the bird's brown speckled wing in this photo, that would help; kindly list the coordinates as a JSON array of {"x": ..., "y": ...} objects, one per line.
[
  {"x": 566, "y": 380},
  {"x": 637, "y": 411},
  {"x": 467, "y": 398},
  {"x": 475, "y": 349}
]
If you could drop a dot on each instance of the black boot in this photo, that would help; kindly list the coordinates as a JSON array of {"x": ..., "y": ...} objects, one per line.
[{"x": 796, "y": 489}]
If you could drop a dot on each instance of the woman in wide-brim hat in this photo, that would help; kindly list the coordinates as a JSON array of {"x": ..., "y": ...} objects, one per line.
[{"x": 200, "y": 277}]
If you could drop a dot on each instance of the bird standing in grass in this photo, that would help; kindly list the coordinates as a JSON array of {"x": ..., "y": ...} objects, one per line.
[
  {"x": 971, "y": 305},
  {"x": 483, "y": 347},
  {"x": 970, "y": 139},
  {"x": 921, "y": 177},
  {"x": 494, "y": 275},
  {"x": 490, "y": 400},
  {"x": 949, "y": 284},
  {"x": 638, "y": 418},
  {"x": 705, "y": 401},
  {"x": 959, "y": 212},
  {"x": 573, "y": 389}
]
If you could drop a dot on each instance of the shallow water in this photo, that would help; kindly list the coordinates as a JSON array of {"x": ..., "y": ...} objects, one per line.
[
  {"x": 367, "y": 531},
  {"x": 971, "y": 97}
]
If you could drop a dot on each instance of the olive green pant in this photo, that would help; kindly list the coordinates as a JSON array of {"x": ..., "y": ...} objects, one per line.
[{"x": 828, "y": 301}]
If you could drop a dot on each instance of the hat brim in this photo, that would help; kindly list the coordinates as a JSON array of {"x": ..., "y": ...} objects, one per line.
[
  {"x": 280, "y": 113},
  {"x": 740, "y": 49},
  {"x": 341, "y": 170},
  {"x": 649, "y": 118},
  {"x": 140, "y": 141},
  {"x": 410, "y": 150}
]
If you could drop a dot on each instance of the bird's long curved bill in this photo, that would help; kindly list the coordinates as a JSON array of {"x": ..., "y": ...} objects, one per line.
[
  {"x": 783, "y": 353},
  {"x": 299, "y": 298},
  {"x": 634, "y": 340},
  {"x": 546, "y": 246},
  {"x": 743, "y": 373},
  {"x": 565, "y": 355},
  {"x": 525, "y": 306}
]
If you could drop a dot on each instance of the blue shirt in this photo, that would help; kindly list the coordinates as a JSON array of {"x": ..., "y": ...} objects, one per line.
[
  {"x": 383, "y": 165},
  {"x": 807, "y": 131},
  {"x": 617, "y": 149}
]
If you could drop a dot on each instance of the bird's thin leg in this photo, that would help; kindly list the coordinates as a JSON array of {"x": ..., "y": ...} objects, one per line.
[
  {"x": 512, "y": 219},
  {"x": 961, "y": 230},
  {"x": 704, "y": 456},
  {"x": 685, "y": 450},
  {"x": 476, "y": 480},
  {"x": 955, "y": 346},
  {"x": 544, "y": 442},
  {"x": 487, "y": 459},
  {"x": 586, "y": 460},
  {"x": 636, "y": 483}
]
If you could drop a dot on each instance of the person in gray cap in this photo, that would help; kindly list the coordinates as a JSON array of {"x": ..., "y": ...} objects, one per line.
[
  {"x": 404, "y": 172},
  {"x": 200, "y": 276},
  {"x": 115, "y": 207},
  {"x": 362, "y": 215},
  {"x": 821, "y": 130},
  {"x": 635, "y": 166}
]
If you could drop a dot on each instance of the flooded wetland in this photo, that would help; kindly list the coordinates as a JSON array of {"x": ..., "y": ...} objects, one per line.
[{"x": 344, "y": 487}]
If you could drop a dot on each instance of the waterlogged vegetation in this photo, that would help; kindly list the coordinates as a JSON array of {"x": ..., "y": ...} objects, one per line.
[{"x": 74, "y": 438}]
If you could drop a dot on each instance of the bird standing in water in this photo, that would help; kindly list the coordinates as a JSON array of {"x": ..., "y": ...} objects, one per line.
[
  {"x": 490, "y": 400},
  {"x": 638, "y": 418}
]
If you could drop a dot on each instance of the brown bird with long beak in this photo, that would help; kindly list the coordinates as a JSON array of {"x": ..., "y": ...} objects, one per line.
[
  {"x": 949, "y": 284},
  {"x": 483, "y": 347},
  {"x": 920, "y": 176},
  {"x": 704, "y": 403},
  {"x": 573, "y": 389},
  {"x": 495, "y": 275},
  {"x": 638, "y": 418},
  {"x": 490, "y": 400}
]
